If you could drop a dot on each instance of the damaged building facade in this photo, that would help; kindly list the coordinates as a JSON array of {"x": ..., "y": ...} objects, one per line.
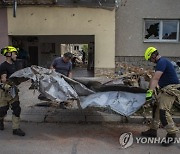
[
  {"x": 115, "y": 30},
  {"x": 42, "y": 26},
  {"x": 144, "y": 23}
]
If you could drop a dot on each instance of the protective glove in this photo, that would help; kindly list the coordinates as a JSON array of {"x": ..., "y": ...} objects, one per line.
[
  {"x": 149, "y": 96},
  {"x": 149, "y": 99}
]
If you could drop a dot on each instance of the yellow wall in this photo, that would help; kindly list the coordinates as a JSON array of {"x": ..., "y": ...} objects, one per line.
[{"x": 69, "y": 21}]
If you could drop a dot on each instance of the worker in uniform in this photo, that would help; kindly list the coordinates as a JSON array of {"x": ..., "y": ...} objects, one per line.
[
  {"x": 166, "y": 79},
  {"x": 8, "y": 91}
]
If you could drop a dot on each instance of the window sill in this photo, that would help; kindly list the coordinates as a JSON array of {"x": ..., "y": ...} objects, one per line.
[{"x": 160, "y": 41}]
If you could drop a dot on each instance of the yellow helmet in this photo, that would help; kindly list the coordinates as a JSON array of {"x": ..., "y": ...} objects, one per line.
[
  {"x": 149, "y": 51},
  {"x": 8, "y": 49}
]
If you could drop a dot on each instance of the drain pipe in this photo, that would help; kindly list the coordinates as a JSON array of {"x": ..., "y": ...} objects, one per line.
[{"x": 14, "y": 8}]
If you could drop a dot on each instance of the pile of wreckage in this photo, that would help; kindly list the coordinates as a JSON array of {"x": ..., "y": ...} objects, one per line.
[{"x": 123, "y": 93}]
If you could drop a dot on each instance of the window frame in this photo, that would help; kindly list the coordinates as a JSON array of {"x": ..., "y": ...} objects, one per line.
[
  {"x": 76, "y": 47},
  {"x": 161, "y": 31}
]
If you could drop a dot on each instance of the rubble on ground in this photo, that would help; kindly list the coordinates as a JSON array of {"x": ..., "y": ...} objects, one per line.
[{"x": 130, "y": 75}]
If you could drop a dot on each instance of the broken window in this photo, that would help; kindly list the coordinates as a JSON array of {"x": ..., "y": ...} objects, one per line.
[
  {"x": 161, "y": 31},
  {"x": 152, "y": 30}
]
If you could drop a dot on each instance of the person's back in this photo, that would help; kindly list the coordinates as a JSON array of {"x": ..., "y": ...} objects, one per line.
[{"x": 169, "y": 75}]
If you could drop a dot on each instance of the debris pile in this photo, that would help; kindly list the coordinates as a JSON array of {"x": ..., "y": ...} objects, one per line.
[
  {"x": 124, "y": 93},
  {"x": 130, "y": 75},
  {"x": 136, "y": 76}
]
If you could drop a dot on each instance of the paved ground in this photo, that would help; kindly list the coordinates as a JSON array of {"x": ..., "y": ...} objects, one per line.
[
  {"x": 60, "y": 138},
  {"x": 50, "y": 138},
  {"x": 28, "y": 98}
]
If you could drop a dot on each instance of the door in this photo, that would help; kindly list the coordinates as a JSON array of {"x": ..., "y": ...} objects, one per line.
[{"x": 33, "y": 54}]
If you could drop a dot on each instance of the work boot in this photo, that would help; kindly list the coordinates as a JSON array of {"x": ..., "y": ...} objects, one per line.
[
  {"x": 1, "y": 124},
  {"x": 18, "y": 132},
  {"x": 170, "y": 138},
  {"x": 149, "y": 133}
]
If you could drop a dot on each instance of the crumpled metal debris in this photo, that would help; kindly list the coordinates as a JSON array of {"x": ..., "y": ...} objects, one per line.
[
  {"x": 58, "y": 87},
  {"x": 53, "y": 85},
  {"x": 123, "y": 103}
]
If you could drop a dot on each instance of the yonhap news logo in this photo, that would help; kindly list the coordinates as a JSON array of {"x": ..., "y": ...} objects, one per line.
[{"x": 126, "y": 140}]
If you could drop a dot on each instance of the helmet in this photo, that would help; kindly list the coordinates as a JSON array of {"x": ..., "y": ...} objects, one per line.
[
  {"x": 9, "y": 49},
  {"x": 149, "y": 51}
]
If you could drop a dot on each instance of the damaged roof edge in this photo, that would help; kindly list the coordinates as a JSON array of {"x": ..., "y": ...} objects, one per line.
[{"x": 104, "y": 4}]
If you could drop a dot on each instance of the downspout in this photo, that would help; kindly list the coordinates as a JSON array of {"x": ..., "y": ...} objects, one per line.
[{"x": 14, "y": 8}]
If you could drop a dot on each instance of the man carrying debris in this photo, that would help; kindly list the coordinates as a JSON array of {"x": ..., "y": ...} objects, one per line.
[
  {"x": 8, "y": 91},
  {"x": 166, "y": 77},
  {"x": 63, "y": 64}
]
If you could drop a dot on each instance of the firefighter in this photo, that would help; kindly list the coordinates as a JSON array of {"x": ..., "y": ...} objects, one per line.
[
  {"x": 8, "y": 91},
  {"x": 166, "y": 78}
]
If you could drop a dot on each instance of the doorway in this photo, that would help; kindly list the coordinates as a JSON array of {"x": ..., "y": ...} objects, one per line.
[
  {"x": 83, "y": 58},
  {"x": 37, "y": 55},
  {"x": 83, "y": 49}
]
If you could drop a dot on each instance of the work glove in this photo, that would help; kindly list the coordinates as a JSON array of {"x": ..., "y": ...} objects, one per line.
[
  {"x": 149, "y": 95},
  {"x": 149, "y": 99}
]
